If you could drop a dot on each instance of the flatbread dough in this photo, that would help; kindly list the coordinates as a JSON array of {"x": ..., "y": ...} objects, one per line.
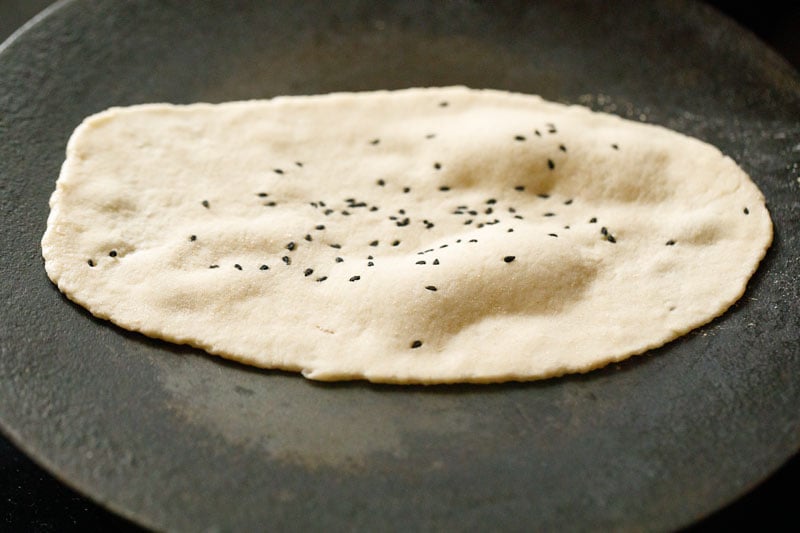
[{"x": 415, "y": 236}]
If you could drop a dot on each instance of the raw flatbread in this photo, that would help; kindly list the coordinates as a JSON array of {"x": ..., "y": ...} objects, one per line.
[{"x": 415, "y": 236}]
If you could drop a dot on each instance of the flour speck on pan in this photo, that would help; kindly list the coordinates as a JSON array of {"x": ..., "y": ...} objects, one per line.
[{"x": 415, "y": 236}]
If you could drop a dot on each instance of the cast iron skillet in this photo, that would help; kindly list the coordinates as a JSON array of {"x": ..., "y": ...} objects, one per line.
[{"x": 175, "y": 439}]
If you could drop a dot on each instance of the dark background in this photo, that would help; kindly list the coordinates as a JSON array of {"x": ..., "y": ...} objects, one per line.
[{"x": 32, "y": 500}]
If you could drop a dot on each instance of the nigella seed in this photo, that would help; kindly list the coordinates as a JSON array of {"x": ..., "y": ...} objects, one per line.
[
  {"x": 472, "y": 212},
  {"x": 291, "y": 246},
  {"x": 401, "y": 211},
  {"x": 519, "y": 188},
  {"x": 346, "y": 213},
  {"x": 206, "y": 204},
  {"x": 568, "y": 202},
  {"x": 381, "y": 183},
  {"x": 370, "y": 257},
  {"x": 611, "y": 238},
  {"x": 262, "y": 195},
  {"x": 112, "y": 253},
  {"x": 263, "y": 267},
  {"x": 549, "y": 214},
  {"x": 269, "y": 204},
  {"x": 328, "y": 211},
  {"x": 458, "y": 240},
  {"x": 443, "y": 104},
  {"x": 435, "y": 261},
  {"x": 603, "y": 230},
  {"x": 403, "y": 222},
  {"x": 480, "y": 225},
  {"x": 519, "y": 217},
  {"x": 237, "y": 266},
  {"x": 437, "y": 166},
  {"x": 314, "y": 204},
  {"x": 374, "y": 141},
  {"x": 320, "y": 227},
  {"x": 468, "y": 222},
  {"x": 444, "y": 188},
  {"x": 566, "y": 227},
  {"x": 277, "y": 170},
  {"x": 670, "y": 243},
  {"x": 538, "y": 133},
  {"x": 323, "y": 278},
  {"x": 321, "y": 203},
  {"x": 552, "y": 235},
  {"x": 489, "y": 211},
  {"x": 370, "y": 263},
  {"x": 550, "y": 164},
  {"x": 307, "y": 237},
  {"x": 299, "y": 164},
  {"x": 416, "y": 344},
  {"x": 473, "y": 240},
  {"x": 593, "y": 220},
  {"x": 90, "y": 263},
  {"x": 395, "y": 243},
  {"x": 406, "y": 190},
  {"x": 491, "y": 201},
  {"x": 443, "y": 246},
  {"x": 209, "y": 266},
  {"x": 509, "y": 258},
  {"x": 420, "y": 262},
  {"x": 512, "y": 210},
  {"x": 510, "y": 230},
  {"x": 430, "y": 136},
  {"x": 431, "y": 288},
  {"x": 286, "y": 259},
  {"x": 392, "y": 217},
  {"x": 615, "y": 146},
  {"x": 543, "y": 196},
  {"x": 337, "y": 246},
  {"x": 307, "y": 272},
  {"x": 193, "y": 238},
  {"x": 562, "y": 147},
  {"x": 339, "y": 259},
  {"x": 746, "y": 211},
  {"x": 519, "y": 138},
  {"x": 374, "y": 243},
  {"x": 355, "y": 278}
]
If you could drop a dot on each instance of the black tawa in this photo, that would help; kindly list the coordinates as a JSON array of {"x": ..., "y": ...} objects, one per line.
[{"x": 174, "y": 439}]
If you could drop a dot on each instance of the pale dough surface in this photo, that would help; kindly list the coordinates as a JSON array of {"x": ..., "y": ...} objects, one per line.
[{"x": 174, "y": 221}]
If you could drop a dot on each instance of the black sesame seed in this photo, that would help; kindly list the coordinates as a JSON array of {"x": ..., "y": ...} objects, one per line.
[
  {"x": 562, "y": 147},
  {"x": 323, "y": 278},
  {"x": 566, "y": 227},
  {"x": 328, "y": 211},
  {"x": 550, "y": 164},
  {"x": 392, "y": 217},
  {"x": 548, "y": 214},
  {"x": 355, "y": 278},
  {"x": 435, "y": 261},
  {"x": 746, "y": 211},
  {"x": 339, "y": 259},
  {"x": 468, "y": 222},
  {"x": 270, "y": 204},
  {"x": 112, "y": 253},
  {"x": 263, "y": 267},
  {"x": 458, "y": 240},
  {"x": 593, "y": 220},
  {"x": 213, "y": 266},
  {"x": 437, "y": 166},
  {"x": 443, "y": 104},
  {"x": 370, "y": 263},
  {"x": 321, "y": 203},
  {"x": 472, "y": 212},
  {"x": 374, "y": 141},
  {"x": 298, "y": 163},
  {"x": 291, "y": 246},
  {"x": 237, "y": 266},
  {"x": 552, "y": 235},
  {"x": 277, "y": 171},
  {"x": 538, "y": 133},
  {"x": 401, "y": 211},
  {"x": 420, "y": 262},
  {"x": 491, "y": 201},
  {"x": 509, "y": 258},
  {"x": 603, "y": 230},
  {"x": 307, "y": 272},
  {"x": 543, "y": 196},
  {"x": 395, "y": 243},
  {"x": 314, "y": 204},
  {"x": 568, "y": 202},
  {"x": 519, "y": 188},
  {"x": 374, "y": 243},
  {"x": 403, "y": 222},
  {"x": 416, "y": 344},
  {"x": 615, "y": 146},
  {"x": 489, "y": 211},
  {"x": 193, "y": 238},
  {"x": 670, "y": 243},
  {"x": 512, "y": 210},
  {"x": 370, "y": 257},
  {"x": 263, "y": 195},
  {"x": 510, "y": 230},
  {"x": 428, "y": 250},
  {"x": 444, "y": 188},
  {"x": 90, "y": 263},
  {"x": 346, "y": 213},
  {"x": 406, "y": 189},
  {"x": 473, "y": 240},
  {"x": 337, "y": 246},
  {"x": 443, "y": 246},
  {"x": 206, "y": 204},
  {"x": 431, "y": 288},
  {"x": 519, "y": 217},
  {"x": 286, "y": 259},
  {"x": 381, "y": 183},
  {"x": 480, "y": 225},
  {"x": 611, "y": 238},
  {"x": 519, "y": 138},
  {"x": 428, "y": 225},
  {"x": 307, "y": 237}
]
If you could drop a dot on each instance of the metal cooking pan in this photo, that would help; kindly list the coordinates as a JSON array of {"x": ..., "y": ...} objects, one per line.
[{"x": 175, "y": 439}]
